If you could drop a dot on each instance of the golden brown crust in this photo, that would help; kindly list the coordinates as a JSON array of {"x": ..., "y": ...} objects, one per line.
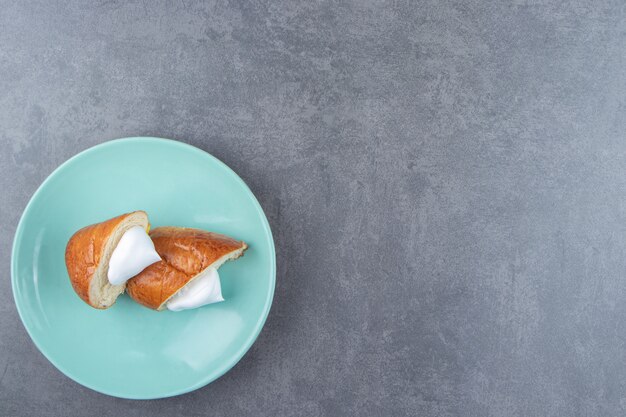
[
  {"x": 185, "y": 252},
  {"x": 84, "y": 251}
]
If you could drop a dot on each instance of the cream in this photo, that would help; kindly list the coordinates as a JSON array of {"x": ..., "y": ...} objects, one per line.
[
  {"x": 202, "y": 290},
  {"x": 134, "y": 252}
]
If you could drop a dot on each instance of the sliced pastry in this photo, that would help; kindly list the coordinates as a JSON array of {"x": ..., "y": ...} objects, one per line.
[
  {"x": 100, "y": 258},
  {"x": 186, "y": 277}
]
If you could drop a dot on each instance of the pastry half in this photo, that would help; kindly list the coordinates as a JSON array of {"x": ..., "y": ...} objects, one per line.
[
  {"x": 101, "y": 257},
  {"x": 187, "y": 254}
]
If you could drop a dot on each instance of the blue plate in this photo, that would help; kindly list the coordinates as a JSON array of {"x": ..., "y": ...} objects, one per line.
[{"x": 128, "y": 350}]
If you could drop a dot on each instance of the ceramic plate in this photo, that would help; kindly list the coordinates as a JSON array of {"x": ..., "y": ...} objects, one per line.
[{"x": 128, "y": 350}]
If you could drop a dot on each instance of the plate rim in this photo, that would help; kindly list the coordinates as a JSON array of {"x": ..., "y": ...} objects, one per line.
[{"x": 211, "y": 376}]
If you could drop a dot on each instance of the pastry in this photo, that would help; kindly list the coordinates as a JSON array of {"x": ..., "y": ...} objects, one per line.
[
  {"x": 100, "y": 258},
  {"x": 186, "y": 277}
]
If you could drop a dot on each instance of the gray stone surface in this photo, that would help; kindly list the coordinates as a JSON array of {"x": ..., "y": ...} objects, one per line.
[{"x": 446, "y": 183}]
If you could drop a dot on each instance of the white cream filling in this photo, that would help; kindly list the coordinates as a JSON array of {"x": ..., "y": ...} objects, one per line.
[
  {"x": 203, "y": 290},
  {"x": 134, "y": 252}
]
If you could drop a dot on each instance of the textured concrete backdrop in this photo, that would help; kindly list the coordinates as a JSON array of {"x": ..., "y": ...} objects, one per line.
[{"x": 446, "y": 183}]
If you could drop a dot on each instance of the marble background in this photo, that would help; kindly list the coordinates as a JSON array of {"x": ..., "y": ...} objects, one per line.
[{"x": 445, "y": 181}]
